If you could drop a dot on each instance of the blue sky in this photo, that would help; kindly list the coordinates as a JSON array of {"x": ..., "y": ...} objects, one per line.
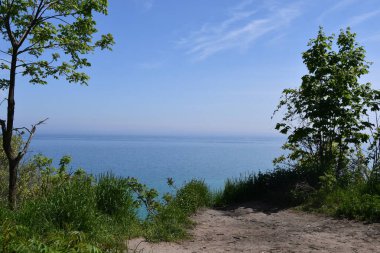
[{"x": 199, "y": 67}]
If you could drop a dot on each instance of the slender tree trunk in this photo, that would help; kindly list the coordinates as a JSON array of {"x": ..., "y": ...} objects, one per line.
[
  {"x": 12, "y": 194},
  {"x": 7, "y": 126},
  {"x": 7, "y": 129},
  {"x": 339, "y": 168}
]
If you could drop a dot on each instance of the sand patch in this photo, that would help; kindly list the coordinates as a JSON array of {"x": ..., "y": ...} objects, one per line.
[{"x": 254, "y": 227}]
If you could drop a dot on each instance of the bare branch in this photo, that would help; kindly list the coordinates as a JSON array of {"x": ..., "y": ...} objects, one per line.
[
  {"x": 5, "y": 52},
  {"x": 31, "y": 134},
  {"x": 5, "y": 99},
  {"x": 5, "y": 60},
  {"x": 46, "y": 7},
  {"x": 18, "y": 130},
  {"x": 57, "y": 17}
]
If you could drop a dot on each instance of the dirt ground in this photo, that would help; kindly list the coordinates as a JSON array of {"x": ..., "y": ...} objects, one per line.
[{"x": 254, "y": 227}]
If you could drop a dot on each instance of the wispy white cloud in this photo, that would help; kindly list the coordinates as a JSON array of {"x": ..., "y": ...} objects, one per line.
[
  {"x": 146, "y": 4},
  {"x": 372, "y": 38},
  {"x": 363, "y": 17},
  {"x": 244, "y": 24},
  {"x": 151, "y": 65},
  {"x": 336, "y": 7}
]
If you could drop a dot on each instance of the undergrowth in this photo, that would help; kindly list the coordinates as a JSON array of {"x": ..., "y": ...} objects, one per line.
[
  {"x": 76, "y": 212},
  {"x": 289, "y": 187}
]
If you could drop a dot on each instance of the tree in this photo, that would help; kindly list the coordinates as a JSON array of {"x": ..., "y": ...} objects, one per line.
[
  {"x": 327, "y": 116},
  {"x": 33, "y": 33}
]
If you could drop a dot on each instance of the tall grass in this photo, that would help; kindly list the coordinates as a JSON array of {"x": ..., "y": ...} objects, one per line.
[
  {"x": 114, "y": 196},
  {"x": 353, "y": 202},
  {"x": 279, "y": 186},
  {"x": 172, "y": 220},
  {"x": 75, "y": 212},
  {"x": 289, "y": 187}
]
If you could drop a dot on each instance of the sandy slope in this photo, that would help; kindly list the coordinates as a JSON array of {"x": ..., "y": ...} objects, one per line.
[{"x": 254, "y": 227}]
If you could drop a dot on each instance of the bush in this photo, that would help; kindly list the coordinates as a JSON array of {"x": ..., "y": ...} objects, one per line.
[
  {"x": 361, "y": 207},
  {"x": 69, "y": 205},
  {"x": 169, "y": 224},
  {"x": 172, "y": 220},
  {"x": 281, "y": 186},
  {"x": 15, "y": 238},
  {"x": 193, "y": 196},
  {"x": 114, "y": 197},
  {"x": 63, "y": 212},
  {"x": 354, "y": 202}
]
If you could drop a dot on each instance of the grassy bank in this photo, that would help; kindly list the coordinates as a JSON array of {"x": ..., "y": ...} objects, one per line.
[
  {"x": 293, "y": 187},
  {"x": 60, "y": 211}
]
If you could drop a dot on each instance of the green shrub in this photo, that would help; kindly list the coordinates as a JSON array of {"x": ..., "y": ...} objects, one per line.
[
  {"x": 114, "y": 197},
  {"x": 68, "y": 205},
  {"x": 63, "y": 212},
  {"x": 16, "y": 238},
  {"x": 361, "y": 207},
  {"x": 351, "y": 202},
  {"x": 169, "y": 224},
  {"x": 172, "y": 220},
  {"x": 193, "y": 196}
]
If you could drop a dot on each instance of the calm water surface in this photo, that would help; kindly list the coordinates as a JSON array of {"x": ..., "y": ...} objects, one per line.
[{"x": 153, "y": 159}]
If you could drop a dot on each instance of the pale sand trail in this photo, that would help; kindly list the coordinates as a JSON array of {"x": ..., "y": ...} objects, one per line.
[{"x": 254, "y": 227}]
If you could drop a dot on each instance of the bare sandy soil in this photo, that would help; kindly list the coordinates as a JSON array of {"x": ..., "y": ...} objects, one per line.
[{"x": 255, "y": 227}]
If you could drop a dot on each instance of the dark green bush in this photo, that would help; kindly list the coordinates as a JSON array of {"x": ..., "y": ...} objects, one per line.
[{"x": 281, "y": 186}]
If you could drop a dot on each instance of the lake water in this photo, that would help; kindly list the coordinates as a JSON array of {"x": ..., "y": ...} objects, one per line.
[{"x": 154, "y": 159}]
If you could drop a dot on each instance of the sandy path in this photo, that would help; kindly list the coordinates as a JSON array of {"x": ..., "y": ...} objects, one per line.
[{"x": 254, "y": 227}]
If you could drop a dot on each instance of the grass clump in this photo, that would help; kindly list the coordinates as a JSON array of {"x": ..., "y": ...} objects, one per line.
[
  {"x": 114, "y": 197},
  {"x": 192, "y": 196},
  {"x": 281, "y": 186},
  {"x": 67, "y": 204},
  {"x": 172, "y": 219}
]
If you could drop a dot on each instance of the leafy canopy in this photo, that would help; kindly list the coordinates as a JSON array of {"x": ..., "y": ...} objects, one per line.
[
  {"x": 37, "y": 31},
  {"x": 328, "y": 114}
]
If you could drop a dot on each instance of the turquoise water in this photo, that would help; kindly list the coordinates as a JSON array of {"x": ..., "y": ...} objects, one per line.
[{"x": 154, "y": 159}]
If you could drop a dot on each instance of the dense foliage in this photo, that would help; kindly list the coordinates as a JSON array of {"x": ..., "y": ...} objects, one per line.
[
  {"x": 328, "y": 121},
  {"x": 63, "y": 211},
  {"x": 327, "y": 117}
]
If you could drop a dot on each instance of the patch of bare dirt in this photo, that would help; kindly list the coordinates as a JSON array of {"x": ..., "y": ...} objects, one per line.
[{"x": 255, "y": 227}]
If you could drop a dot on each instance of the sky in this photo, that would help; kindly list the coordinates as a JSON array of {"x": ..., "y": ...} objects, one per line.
[{"x": 199, "y": 67}]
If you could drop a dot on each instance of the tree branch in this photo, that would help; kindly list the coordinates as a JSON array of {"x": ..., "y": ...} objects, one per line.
[
  {"x": 31, "y": 134},
  {"x": 32, "y": 47},
  {"x": 31, "y": 24},
  {"x": 5, "y": 52}
]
